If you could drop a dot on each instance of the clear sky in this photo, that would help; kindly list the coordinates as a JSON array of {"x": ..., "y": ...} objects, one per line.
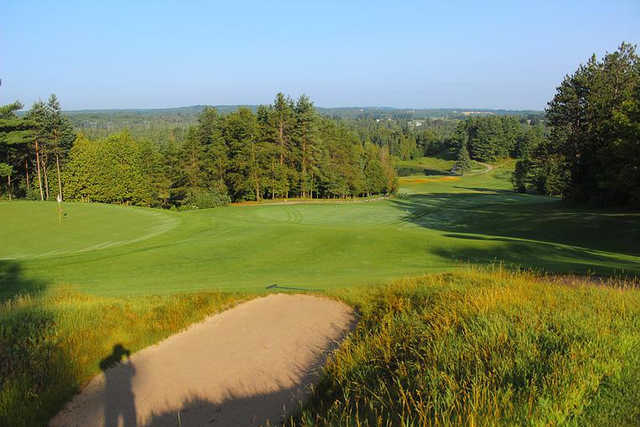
[{"x": 125, "y": 54}]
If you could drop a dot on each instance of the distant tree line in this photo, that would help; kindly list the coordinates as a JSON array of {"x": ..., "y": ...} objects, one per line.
[
  {"x": 279, "y": 151},
  {"x": 406, "y": 138},
  {"x": 407, "y": 133},
  {"x": 490, "y": 138},
  {"x": 592, "y": 153}
]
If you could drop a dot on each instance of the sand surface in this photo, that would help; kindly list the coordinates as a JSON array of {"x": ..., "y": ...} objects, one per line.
[{"x": 247, "y": 366}]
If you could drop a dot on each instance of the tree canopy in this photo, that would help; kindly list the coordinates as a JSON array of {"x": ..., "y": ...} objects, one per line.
[{"x": 592, "y": 153}]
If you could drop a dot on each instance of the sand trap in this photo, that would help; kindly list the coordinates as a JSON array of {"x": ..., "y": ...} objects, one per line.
[{"x": 247, "y": 366}]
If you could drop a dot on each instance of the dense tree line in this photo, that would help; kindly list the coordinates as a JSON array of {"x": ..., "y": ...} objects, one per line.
[
  {"x": 279, "y": 151},
  {"x": 592, "y": 153},
  {"x": 489, "y": 138}
]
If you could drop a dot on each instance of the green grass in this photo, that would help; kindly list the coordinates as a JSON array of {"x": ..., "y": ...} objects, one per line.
[
  {"x": 32, "y": 229},
  {"x": 485, "y": 348},
  {"x": 438, "y": 225}
]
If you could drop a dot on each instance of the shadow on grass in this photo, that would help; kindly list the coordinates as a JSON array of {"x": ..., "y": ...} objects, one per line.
[
  {"x": 35, "y": 374},
  {"x": 13, "y": 283},
  {"x": 415, "y": 170},
  {"x": 501, "y": 225}
]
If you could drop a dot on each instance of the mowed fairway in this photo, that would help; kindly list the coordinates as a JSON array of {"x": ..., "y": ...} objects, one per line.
[{"x": 436, "y": 225}]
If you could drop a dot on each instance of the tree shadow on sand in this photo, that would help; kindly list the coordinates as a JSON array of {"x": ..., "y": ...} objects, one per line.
[{"x": 501, "y": 225}]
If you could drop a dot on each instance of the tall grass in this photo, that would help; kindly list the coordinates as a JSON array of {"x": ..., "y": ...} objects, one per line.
[
  {"x": 51, "y": 345},
  {"x": 482, "y": 347}
]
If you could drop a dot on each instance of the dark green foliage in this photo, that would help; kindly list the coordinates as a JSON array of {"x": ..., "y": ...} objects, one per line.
[
  {"x": 15, "y": 135},
  {"x": 491, "y": 138},
  {"x": 463, "y": 161},
  {"x": 207, "y": 198},
  {"x": 593, "y": 151}
]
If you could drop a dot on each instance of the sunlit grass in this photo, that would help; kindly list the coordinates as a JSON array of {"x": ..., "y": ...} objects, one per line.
[{"x": 479, "y": 347}]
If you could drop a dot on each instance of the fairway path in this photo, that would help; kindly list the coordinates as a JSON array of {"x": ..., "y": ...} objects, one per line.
[
  {"x": 488, "y": 167},
  {"x": 246, "y": 366}
]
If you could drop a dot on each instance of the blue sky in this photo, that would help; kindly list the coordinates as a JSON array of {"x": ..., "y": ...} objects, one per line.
[{"x": 126, "y": 54}]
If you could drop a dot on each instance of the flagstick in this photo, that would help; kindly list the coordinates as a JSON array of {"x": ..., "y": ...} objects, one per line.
[{"x": 59, "y": 209}]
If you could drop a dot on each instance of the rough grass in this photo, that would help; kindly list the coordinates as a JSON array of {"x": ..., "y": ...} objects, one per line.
[
  {"x": 52, "y": 345},
  {"x": 478, "y": 347}
]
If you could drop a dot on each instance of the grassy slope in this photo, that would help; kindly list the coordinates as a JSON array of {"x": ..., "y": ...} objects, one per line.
[
  {"x": 439, "y": 225},
  {"x": 478, "y": 348}
]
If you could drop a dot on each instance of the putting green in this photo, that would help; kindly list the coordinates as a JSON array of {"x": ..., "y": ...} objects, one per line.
[
  {"x": 32, "y": 229},
  {"x": 432, "y": 226}
]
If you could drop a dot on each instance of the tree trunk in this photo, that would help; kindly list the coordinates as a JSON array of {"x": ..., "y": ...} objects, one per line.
[
  {"x": 59, "y": 180},
  {"x": 273, "y": 175},
  {"x": 38, "y": 168},
  {"x": 304, "y": 168},
  {"x": 281, "y": 133},
  {"x": 255, "y": 171},
  {"x": 46, "y": 179},
  {"x": 26, "y": 171},
  {"x": 9, "y": 185}
]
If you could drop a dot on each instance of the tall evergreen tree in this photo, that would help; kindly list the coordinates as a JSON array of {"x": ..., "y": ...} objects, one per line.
[
  {"x": 592, "y": 153},
  {"x": 463, "y": 161},
  {"x": 59, "y": 133}
]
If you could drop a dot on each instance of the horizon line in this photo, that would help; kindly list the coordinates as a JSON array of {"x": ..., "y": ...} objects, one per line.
[{"x": 370, "y": 107}]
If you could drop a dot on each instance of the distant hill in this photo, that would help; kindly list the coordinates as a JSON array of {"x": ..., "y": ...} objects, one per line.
[
  {"x": 330, "y": 111},
  {"x": 144, "y": 121},
  {"x": 344, "y": 112}
]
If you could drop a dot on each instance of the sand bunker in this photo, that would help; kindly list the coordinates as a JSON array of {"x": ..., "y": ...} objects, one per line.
[{"x": 247, "y": 366}]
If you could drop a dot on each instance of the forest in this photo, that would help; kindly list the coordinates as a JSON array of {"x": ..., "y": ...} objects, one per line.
[{"x": 283, "y": 150}]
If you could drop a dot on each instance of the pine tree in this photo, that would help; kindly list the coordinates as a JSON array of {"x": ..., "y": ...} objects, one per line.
[
  {"x": 463, "y": 161},
  {"x": 60, "y": 134}
]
